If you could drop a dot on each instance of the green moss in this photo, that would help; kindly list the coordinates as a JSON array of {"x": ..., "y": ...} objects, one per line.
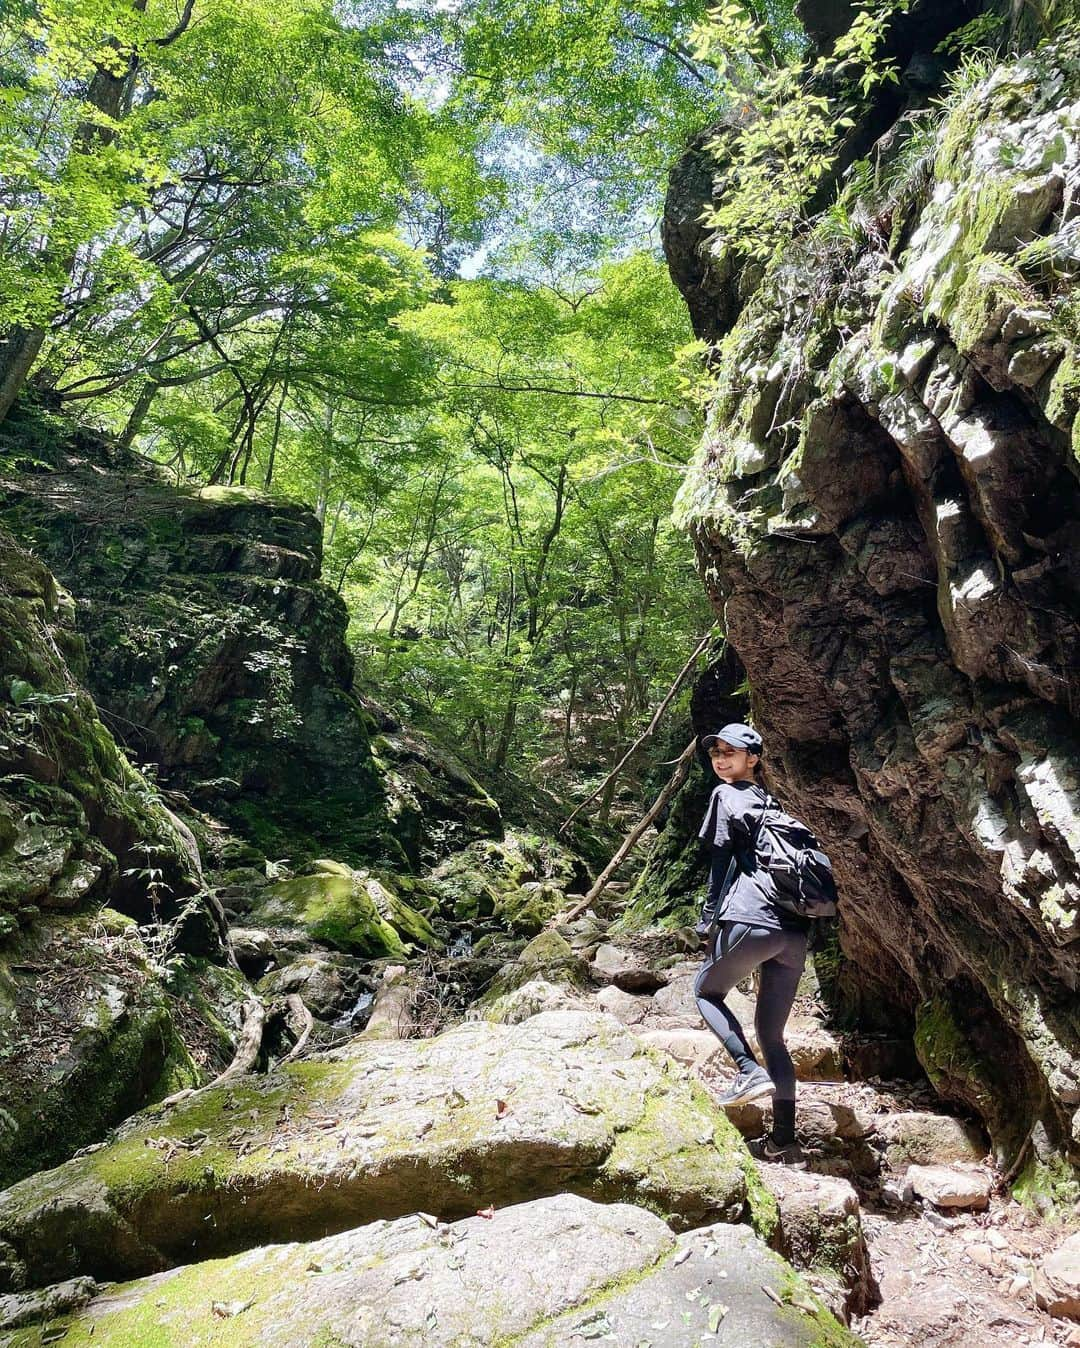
[
  {"x": 606, "y": 1294},
  {"x": 341, "y": 910},
  {"x": 1050, "y": 1187},
  {"x": 520, "y": 880},
  {"x": 949, "y": 1058},
  {"x": 693, "y": 1156},
  {"x": 805, "y": 1304},
  {"x": 764, "y": 1209},
  {"x": 131, "y": 1167}
]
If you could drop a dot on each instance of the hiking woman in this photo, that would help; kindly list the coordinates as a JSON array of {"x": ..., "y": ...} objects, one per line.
[{"x": 748, "y": 930}]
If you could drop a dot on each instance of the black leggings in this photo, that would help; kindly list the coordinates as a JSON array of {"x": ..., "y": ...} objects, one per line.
[{"x": 738, "y": 949}]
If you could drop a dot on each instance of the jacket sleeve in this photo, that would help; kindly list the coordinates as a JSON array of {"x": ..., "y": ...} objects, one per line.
[{"x": 716, "y": 832}]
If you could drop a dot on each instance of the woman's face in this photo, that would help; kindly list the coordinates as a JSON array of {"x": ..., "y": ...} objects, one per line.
[{"x": 731, "y": 764}]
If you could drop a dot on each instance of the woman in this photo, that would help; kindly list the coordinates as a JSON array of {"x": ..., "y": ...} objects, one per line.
[{"x": 748, "y": 930}]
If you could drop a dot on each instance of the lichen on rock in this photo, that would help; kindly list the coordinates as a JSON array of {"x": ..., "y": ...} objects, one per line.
[{"x": 885, "y": 509}]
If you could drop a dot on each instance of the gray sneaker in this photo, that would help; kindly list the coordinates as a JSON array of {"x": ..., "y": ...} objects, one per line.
[{"x": 753, "y": 1084}]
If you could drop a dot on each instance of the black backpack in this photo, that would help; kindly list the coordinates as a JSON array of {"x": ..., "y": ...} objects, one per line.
[{"x": 799, "y": 869}]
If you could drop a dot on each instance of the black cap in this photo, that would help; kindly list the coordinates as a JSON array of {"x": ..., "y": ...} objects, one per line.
[{"x": 739, "y": 736}]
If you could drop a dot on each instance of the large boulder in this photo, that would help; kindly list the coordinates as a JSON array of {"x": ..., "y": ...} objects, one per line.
[
  {"x": 86, "y": 1036},
  {"x": 352, "y": 911},
  {"x": 482, "y": 1114},
  {"x": 541, "y": 1274},
  {"x": 208, "y": 631},
  {"x": 519, "y": 881},
  {"x": 86, "y": 1026}
]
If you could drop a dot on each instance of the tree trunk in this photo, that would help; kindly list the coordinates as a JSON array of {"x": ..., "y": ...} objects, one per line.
[
  {"x": 506, "y": 730},
  {"x": 138, "y": 414},
  {"x": 18, "y": 351}
]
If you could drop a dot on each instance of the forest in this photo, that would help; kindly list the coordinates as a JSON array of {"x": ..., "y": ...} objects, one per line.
[
  {"x": 400, "y": 262},
  {"x": 424, "y": 424}
]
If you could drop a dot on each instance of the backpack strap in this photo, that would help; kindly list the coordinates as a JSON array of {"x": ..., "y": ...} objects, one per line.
[{"x": 733, "y": 866}]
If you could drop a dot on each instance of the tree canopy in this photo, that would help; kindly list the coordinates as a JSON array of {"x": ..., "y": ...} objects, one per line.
[{"x": 399, "y": 260}]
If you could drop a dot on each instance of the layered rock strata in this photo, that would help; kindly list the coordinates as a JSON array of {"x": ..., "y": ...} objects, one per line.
[{"x": 86, "y": 1033}]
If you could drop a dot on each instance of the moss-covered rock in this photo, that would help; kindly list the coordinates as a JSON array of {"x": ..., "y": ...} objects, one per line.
[
  {"x": 86, "y": 1036},
  {"x": 352, "y": 911},
  {"x": 540, "y": 1274},
  {"x": 482, "y": 1114},
  {"x": 86, "y": 1019},
  {"x": 205, "y": 625},
  {"x": 885, "y": 508},
  {"x": 519, "y": 882}
]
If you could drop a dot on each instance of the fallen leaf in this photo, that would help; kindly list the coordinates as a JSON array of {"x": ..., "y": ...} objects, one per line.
[
  {"x": 682, "y": 1257},
  {"x": 501, "y": 1109},
  {"x": 595, "y": 1327},
  {"x": 717, "y": 1311},
  {"x": 431, "y": 1221},
  {"x": 225, "y": 1310}
]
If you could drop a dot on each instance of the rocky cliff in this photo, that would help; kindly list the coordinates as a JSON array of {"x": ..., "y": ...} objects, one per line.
[{"x": 886, "y": 511}]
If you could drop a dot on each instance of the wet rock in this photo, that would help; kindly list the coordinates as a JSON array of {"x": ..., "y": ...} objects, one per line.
[
  {"x": 1057, "y": 1280},
  {"x": 950, "y": 1186},
  {"x": 546, "y": 1273},
  {"x": 481, "y": 1114}
]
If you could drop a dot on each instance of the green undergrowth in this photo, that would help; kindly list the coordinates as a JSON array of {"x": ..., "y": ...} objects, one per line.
[{"x": 1049, "y": 1187}]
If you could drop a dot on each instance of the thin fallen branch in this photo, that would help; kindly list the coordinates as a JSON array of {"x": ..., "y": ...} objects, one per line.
[
  {"x": 298, "y": 1013},
  {"x": 648, "y": 732},
  {"x": 247, "y": 1052},
  {"x": 682, "y": 767}
]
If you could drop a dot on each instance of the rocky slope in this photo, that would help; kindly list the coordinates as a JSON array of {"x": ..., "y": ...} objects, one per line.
[
  {"x": 886, "y": 513},
  {"x": 88, "y": 850},
  {"x": 392, "y": 1143}
]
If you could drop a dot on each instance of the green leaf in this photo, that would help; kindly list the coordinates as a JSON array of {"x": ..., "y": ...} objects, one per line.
[{"x": 21, "y": 691}]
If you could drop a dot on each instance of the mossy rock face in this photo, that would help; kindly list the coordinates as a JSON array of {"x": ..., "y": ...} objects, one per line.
[
  {"x": 86, "y": 1036},
  {"x": 378, "y": 1130},
  {"x": 78, "y": 824},
  {"x": 353, "y": 911},
  {"x": 886, "y": 512},
  {"x": 548, "y": 957},
  {"x": 519, "y": 882},
  {"x": 611, "y": 1267},
  {"x": 204, "y": 624}
]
